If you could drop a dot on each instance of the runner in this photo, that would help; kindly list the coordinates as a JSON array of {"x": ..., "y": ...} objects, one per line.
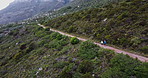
[{"x": 104, "y": 42}]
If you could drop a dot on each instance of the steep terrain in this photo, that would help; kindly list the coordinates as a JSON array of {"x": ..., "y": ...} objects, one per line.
[
  {"x": 138, "y": 57},
  {"x": 77, "y": 5},
  {"x": 122, "y": 24},
  {"x": 31, "y": 51},
  {"x": 74, "y": 6},
  {"x": 23, "y": 9}
]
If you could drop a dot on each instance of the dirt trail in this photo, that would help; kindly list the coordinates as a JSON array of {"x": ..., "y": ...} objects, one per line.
[{"x": 141, "y": 58}]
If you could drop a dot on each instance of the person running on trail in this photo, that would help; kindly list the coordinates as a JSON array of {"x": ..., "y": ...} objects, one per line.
[{"x": 104, "y": 42}]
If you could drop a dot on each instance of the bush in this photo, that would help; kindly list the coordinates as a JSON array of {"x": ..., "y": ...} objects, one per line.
[
  {"x": 85, "y": 67},
  {"x": 135, "y": 41},
  {"x": 31, "y": 47},
  {"x": 141, "y": 71},
  {"x": 59, "y": 36},
  {"x": 144, "y": 49},
  {"x": 71, "y": 29},
  {"x": 88, "y": 50},
  {"x": 106, "y": 53},
  {"x": 56, "y": 44},
  {"x": 107, "y": 36},
  {"x": 74, "y": 40},
  {"x": 123, "y": 15},
  {"x": 56, "y": 35},
  {"x": 47, "y": 37},
  {"x": 67, "y": 71},
  {"x": 87, "y": 75},
  {"x": 18, "y": 55},
  {"x": 40, "y": 34},
  {"x": 77, "y": 75},
  {"x": 114, "y": 73},
  {"x": 14, "y": 32},
  {"x": 47, "y": 29},
  {"x": 23, "y": 46},
  {"x": 123, "y": 65},
  {"x": 61, "y": 64},
  {"x": 41, "y": 43},
  {"x": 39, "y": 28}
]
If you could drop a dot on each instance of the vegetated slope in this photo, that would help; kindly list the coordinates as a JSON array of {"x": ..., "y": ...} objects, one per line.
[
  {"x": 32, "y": 51},
  {"x": 74, "y": 6},
  {"x": 23, "y": 9},
  {"x": 77, "y": 5},
  {"x": 138, "y": 57},
  {"x": 123, "y": 24}
]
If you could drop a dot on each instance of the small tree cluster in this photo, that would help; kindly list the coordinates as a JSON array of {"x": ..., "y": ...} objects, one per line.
[{"x": 74, "y": 40}]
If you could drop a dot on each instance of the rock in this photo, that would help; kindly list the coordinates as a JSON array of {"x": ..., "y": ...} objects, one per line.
[{"x": 40, "y": 68}]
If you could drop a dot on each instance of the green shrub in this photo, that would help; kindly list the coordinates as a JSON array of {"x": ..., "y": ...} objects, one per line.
[
  {"x": 88, "y": 50},
  {"x": 135, "y": 41},
  {"x": 47, "y": 29},
  {"x": 77, "y": 75},
  {"x": 105, "y": 53},
  {"x": 31, "y": 47},
  {"x": 67, "y": 71},
  {"x": 40, "y": 34},
  {"x": 47, "y": 37},
  {"x": 74, "y": 40},
  {"x": 18, "y": 55},
  {"x": 39, "y": 28},
  {"x": 56, "y": 35},
  {"x": 71, "y": 29},
  {"x": 59, "y": 36},
  {"x": 23, "y": 46},
  {"x": 56, "y": 44},
  {"x": 64, "y": 50},
  {"x": 113, "y": 73},
  {"x": 42, "y": 43},
  {"x": 85, "y": 67},
  {"x": 123, "y": 65},
  {"x": 87, "y": 75},
  {"x": 123, "y": 15},
  {"x": 144, "y": 49},
  {"x": 107, "y": 36},
  {"x": 14, "y": 32},
  {"x": 61, "y": 64},
  {"x": 141, "y": 71}
]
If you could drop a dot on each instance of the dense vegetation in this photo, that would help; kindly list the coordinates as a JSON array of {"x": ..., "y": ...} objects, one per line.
[
  {"x": 122, "y": 24},
  {"x": 74, "y": 6},
  {"x": 31, "y": 51},
  {"x": 77, "y": 5}
]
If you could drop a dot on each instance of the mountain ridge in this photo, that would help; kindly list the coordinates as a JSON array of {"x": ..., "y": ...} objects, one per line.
[{"x": 20, "y": 10}]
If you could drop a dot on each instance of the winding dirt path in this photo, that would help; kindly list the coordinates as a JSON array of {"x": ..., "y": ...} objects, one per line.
[{"x": 141, "y": 58}]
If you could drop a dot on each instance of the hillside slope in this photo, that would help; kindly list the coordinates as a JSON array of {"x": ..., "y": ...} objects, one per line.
[
  {"x": 31, "y": 51},
  {"x": 123, "y": 24},
  {"x": 23, "y": 9},
  {"x": 85, "y": 4},
  {"x": 74, "y": 6}
]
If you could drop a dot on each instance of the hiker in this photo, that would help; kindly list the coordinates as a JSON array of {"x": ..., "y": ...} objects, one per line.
[{"x": 104, "y": 42}]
